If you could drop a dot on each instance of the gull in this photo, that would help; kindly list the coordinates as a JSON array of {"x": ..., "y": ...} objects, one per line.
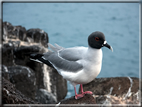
[{"x": 79, "y": 65}]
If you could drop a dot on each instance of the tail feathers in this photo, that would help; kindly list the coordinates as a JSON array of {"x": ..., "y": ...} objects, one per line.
[
  {"x": 55, "y": 48},
  {"x": 58, "y": 47},
  {"x": 38, "y": 58},
  {"x": 52, "y": 47}
]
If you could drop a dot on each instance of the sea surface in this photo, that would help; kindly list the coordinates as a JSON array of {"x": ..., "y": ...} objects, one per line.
[{"x": 69, "y": 24}]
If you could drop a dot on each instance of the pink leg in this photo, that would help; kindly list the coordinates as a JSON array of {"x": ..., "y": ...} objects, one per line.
[
  {"x": 86, "y": 92},
  {"x": 77, "y": 96},
  {"x": 81, "y": 88}
]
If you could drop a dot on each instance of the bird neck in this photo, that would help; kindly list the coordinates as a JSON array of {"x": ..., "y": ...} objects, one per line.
[
  {"x": 94, "y": 54},
  {"x": 93, "y": 50}
]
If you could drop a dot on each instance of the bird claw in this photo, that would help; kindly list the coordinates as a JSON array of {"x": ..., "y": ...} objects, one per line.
[
  {"x": 78, "y": 96},
  {"x": 87, "y": 92}
]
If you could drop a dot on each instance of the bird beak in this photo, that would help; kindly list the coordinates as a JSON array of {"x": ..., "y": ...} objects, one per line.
[{"x": 108, "y": 46}]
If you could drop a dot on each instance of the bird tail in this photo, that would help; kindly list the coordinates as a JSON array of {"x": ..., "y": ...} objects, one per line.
[
  {"x": 55, "y": 48},
  {"x": 39, "y": 58}
]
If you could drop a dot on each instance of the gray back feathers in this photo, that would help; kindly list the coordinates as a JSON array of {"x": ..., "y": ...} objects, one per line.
[{"x": 63, "y": 59}]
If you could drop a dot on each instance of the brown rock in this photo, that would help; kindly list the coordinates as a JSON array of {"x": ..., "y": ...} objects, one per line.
[
  {"x": 117, "y": 90},
  {"x": 24, "y": 80},
  {"x": 109, "y": 91},
  {"x": 87, "y": 99},
  {"x": 10, "y": 95},
  {"x": 119, "y": 85}
]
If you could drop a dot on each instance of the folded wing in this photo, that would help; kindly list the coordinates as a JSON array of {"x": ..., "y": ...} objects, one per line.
[{"x": 65, "y": 59}]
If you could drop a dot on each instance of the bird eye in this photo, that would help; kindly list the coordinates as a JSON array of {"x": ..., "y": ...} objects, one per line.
[{"x": 97, "y": 39}]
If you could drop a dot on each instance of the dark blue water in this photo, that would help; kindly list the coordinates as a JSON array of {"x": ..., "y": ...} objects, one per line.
[{"x": 69, "y": 24}]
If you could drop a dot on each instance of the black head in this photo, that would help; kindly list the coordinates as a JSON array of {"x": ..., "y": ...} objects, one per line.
[{"x": 97, "y": 40}]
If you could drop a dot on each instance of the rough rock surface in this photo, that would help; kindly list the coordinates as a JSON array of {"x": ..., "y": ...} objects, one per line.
[
  {"x": 109, "y": 91},
  {"x": 18, "y": 32},
  {"x": 87, "y": 99},
  {"x": 124, "y": 87},
  {"x": 46, "y": 77},
  {"x": 10, "y": 95},
  {"x": 24, "y": 80},
  {"x": 5, "y": 72},
  {"x": 37, "y": 36},
  {"x": 28, "y": 76},
  {"x": 13, "y": 32},
  {"x": 45, "y": 97}
]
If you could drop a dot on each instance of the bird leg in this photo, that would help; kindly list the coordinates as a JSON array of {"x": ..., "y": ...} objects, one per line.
[
  {"x": 77, "y": 96},
  {"x": 86, "y": 92}
]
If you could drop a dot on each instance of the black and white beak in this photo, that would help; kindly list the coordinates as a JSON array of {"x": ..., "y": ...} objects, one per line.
[{"x": 107, "y": 45}]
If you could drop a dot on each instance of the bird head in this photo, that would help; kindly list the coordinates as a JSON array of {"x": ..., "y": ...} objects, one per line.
[{"x": 97, "y": 40}]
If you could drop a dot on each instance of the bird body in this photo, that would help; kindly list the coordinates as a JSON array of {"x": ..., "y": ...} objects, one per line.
[
  {"x": 79, "y": 65},
  {"x": 90, "y": 70}
]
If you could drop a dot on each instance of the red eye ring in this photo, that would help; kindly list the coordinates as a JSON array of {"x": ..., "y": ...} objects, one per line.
[{"x": 97, "y": 39}]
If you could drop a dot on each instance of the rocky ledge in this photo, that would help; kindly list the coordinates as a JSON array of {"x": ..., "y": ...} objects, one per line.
[{"x": 109, "y": 91}]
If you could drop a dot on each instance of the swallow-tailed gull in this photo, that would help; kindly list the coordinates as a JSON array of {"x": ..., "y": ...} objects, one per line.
[{"x": 79, "y": 65}]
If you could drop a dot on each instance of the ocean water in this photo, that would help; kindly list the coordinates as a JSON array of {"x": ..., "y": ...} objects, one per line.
[{"x": 69, "y": 24}]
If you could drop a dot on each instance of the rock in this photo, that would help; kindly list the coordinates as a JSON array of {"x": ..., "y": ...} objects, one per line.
[
  {"x": 59, "y": 85},
  {"x": 5, "y": 72},
  {"x": 10, "y": 95},
  {"x": 14, "y": 53},
  {"x": 13, "y": 32},
  {"x": 118, "y": 90},
  {"x": 16, "y": 49},
  {"x": 7, "y": 31},
  {"x": 20, "y": 32},
  {"x": 46, "y": 77},
  {"x": 109, "y": 91},
  {"x": 44, "y": 74},
  {"x": 22, "y": 58},
  {"x": 24, "y": 80},
  {"x": 22, "y": 54},
  {"x": 110, "y": 100},
  {"x": 103, "y": 86},
  {"x": 7, "y": 54},
  {"x": 45, "y": 97},
  {"x": 87, "y": 99},
  {"x": 37, "y": 36}
]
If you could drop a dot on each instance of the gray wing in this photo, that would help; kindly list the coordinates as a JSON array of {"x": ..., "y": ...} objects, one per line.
[
  {"x": 71, "y": 54},
  {"x": 62, "y": 64},
  {"x": 65, "y": 58}
]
